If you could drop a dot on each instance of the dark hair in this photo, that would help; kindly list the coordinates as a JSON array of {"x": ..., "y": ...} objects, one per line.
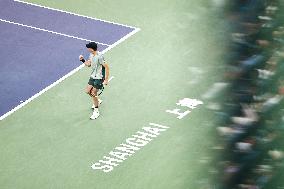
[{"x": 92, "y": 45}]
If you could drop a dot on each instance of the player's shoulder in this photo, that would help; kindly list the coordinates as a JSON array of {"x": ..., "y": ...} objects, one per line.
[{"x": 100, "y": 55}]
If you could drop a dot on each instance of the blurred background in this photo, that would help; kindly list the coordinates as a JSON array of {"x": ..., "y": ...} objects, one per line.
[{"x": 247, "y": 102}]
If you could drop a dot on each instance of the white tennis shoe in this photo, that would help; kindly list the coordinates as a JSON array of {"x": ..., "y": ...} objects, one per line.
[{"x": 95, "y": 114}]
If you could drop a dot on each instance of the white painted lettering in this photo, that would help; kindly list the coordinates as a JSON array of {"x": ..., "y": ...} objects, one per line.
[
  {"x": 120, "y": 155},
  {"x": 158, "y": 125},
  {"x": 99, "y": 166},
  {"x": 127, "y": 148},
  {"x": 190, "y": 103},
  {"x": 144, "y": 136},
  {"x": 110, "y": 161},
  {"x": 180, "y": 114},
  {"x": 138, "y": 142}
]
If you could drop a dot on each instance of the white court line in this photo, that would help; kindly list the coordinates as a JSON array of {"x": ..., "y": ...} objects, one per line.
[
  {"x": 49, "y": 31},
  {"x": 93, "y": 18},
  {"x": 124, "y": 38},
  {"x": 41, "y": 92},
  {"x": 65, "y": 76},
  {"x": 47, "y": 88}
]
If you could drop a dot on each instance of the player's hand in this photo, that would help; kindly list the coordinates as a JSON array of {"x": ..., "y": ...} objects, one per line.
[
  {"x": 81, "y": 57},
  {"x": 105, "y": 82}
]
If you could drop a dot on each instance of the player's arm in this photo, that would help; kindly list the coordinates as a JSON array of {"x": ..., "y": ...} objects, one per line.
[
  {"x": 86, "y": 62},
  {"x": 107, "y": 73}
]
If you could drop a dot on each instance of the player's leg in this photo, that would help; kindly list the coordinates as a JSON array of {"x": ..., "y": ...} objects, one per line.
[
  {"x": 90, "y": 86},
  {"x": 96, "y": 112},
  {"x": 88, "y": 89},
  {"x": 97, "y": 85},
  {"x": 94, "y": 93}
]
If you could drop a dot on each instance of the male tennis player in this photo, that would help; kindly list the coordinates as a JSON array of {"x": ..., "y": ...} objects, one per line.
[{"x": 99, "y": 75}]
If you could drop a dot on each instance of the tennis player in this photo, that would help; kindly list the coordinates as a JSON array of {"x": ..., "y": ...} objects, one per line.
[{"x": 99, "y": 76}]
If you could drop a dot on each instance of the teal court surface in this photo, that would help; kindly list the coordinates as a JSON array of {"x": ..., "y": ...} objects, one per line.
[{"x": 153, "y": 132}]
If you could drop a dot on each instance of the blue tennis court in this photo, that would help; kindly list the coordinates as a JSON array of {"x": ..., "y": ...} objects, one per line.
[{"x": 41, "y": 48}]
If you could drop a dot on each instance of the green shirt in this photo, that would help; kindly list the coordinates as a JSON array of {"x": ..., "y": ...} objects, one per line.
[{"x": 97, "y": 62}]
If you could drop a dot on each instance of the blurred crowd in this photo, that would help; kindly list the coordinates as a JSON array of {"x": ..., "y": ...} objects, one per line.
[{"x": 249, "y": 101}]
